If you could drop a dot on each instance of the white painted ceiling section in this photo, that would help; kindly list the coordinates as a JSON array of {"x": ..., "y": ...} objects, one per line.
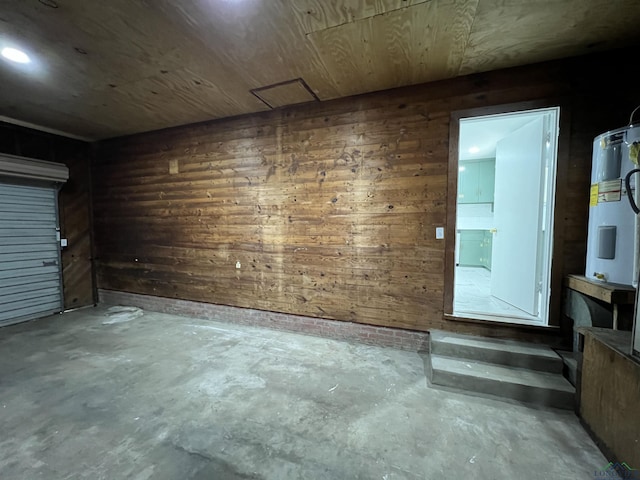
[{"x": 479, "y": 135}]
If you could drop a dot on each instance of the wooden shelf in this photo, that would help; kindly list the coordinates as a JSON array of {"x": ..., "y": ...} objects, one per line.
[{"x": 612, "y": 293}]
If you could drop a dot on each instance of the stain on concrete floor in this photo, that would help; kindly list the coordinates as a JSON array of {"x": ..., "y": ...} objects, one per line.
[{"x": 166, "y": 397}]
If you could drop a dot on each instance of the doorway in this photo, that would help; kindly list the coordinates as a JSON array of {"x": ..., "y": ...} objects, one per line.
[
  {"x": 504, "y": 216},
  {"x": 30, "y": 267}
]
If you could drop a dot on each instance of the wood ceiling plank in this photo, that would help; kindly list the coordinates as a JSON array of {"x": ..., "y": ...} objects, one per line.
[
  {"x": 119, "y": 47},
  {"x": 176, "y": 97},
  {"x": 173, "y": 98},
  {"x": 126, "y": 61},
  {"x": 316, "y": 15},
  {"x": 417, "y": 44},
  {"x": 539, "y": 30},
  {"x": 97, "y": 64},
  {"x": 32, "y": 111},
  {"x": 261, "y": 42},
  {"x": 460, "y": 33}
]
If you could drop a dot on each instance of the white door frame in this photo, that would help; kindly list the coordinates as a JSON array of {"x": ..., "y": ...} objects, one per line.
[{"x": 546, "y": 242}]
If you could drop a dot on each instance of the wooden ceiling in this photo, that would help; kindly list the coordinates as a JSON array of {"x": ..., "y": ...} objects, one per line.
[{"x": 117, "y": 67}]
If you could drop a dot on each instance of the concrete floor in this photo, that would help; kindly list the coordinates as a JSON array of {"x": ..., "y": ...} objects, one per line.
[{"x": 168, "y": 397}]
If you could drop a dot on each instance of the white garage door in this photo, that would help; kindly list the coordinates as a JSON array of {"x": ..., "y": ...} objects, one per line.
[{"x": 30, "y": 276}]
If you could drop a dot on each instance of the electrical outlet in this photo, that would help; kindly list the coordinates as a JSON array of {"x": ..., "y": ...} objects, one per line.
[
  {"x": 238, "y": 265},
  {"x": 439, "y": 233}
]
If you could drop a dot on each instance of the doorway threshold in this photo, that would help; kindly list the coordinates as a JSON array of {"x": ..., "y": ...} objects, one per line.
[{"x": 497, "y": 319}]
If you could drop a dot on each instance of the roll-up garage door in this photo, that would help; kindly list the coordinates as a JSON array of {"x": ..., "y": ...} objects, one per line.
[{"x": 30, "y": 276}]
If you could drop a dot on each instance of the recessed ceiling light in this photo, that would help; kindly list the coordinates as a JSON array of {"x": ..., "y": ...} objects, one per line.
[
  {"x": 474, "y": 149},
  {"x": 15, "y": 55}
]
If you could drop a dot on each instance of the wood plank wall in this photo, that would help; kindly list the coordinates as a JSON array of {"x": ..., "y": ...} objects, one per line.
[
  {"x": 330, "y": 208},
  {"x": 73, "y": 200}
]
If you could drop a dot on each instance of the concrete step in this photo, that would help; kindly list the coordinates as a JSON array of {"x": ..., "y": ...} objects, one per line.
[
  {"x": 541, "y": 388},
  {"x": 571, "y": 362},
  {"x": 489, "y": 350}
]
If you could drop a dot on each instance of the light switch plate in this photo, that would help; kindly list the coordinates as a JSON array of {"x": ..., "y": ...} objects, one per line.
[
  {"x": 63, "y": 242},
  {"x": 439, "y": 233}
]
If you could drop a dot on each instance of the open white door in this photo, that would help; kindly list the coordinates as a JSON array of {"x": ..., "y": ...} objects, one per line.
[{"x": 519, "y": 193}]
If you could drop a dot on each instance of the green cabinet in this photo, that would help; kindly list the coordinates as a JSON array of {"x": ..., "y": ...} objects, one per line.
[
  {"x": 475, "y": 248},
  {"x": 486, "y": 181},
  {"x": 476, "y": 181}
]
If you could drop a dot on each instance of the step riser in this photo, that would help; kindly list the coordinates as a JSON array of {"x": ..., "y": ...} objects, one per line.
[
  {"x": 523, "y": 393},
  {"x": 518, "y": 360}
]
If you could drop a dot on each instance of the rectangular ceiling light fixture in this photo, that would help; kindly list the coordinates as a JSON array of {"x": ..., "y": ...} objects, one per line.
[{"x": 291, "y": 92}]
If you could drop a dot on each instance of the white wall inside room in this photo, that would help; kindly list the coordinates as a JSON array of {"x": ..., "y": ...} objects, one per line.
[{"x": 479, "y": 136}]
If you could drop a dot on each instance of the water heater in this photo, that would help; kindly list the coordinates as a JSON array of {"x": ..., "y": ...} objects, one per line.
[{"x": 613, "y": 240}]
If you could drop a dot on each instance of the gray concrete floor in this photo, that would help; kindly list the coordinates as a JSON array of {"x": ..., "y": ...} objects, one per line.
[{"x": 168, "y": 397}]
